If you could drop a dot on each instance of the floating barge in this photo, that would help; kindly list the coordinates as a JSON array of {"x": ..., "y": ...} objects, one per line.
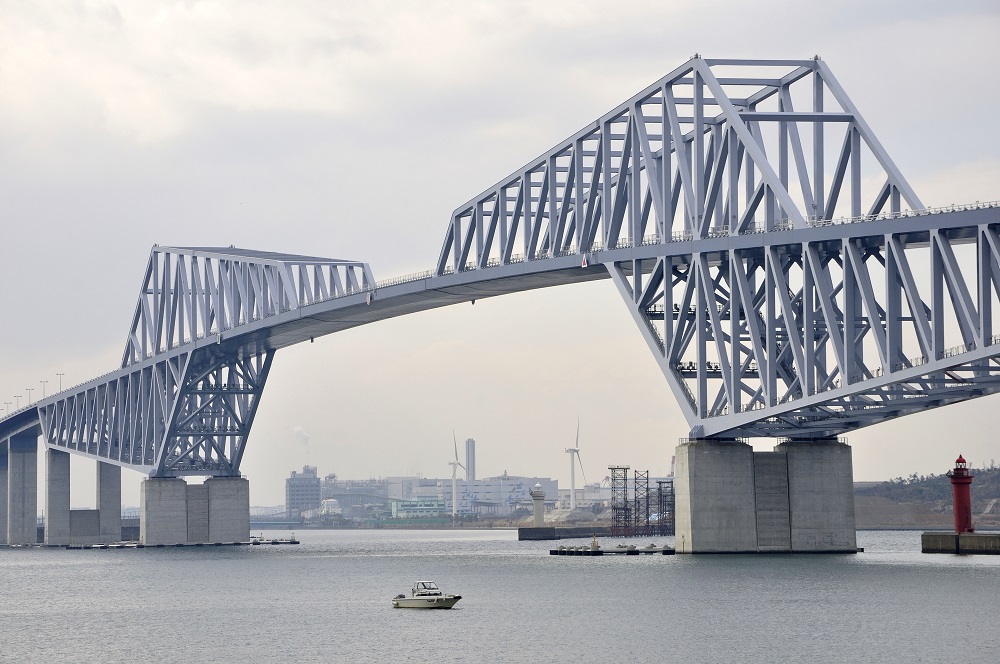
[
  {"x": 525, "y": 534},
  {"x": 617, "y": 551}
]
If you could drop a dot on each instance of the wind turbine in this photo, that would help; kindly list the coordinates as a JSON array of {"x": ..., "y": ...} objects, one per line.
[
  {"x": 574, "y": 451},
  {"x": 455, "y": 465}
]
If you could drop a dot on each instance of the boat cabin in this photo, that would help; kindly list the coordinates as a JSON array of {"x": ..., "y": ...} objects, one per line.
[{"x": 425, "y": 589}]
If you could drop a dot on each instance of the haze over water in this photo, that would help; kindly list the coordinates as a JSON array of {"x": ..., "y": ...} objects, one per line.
[{"x": 328, "y": 600}]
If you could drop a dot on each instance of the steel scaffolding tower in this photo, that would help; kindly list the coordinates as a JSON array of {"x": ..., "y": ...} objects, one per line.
[
  {"x": 620, "y": 510},
  {"x": 665, "y": 523},
  {"x": 640, "y": 499}
]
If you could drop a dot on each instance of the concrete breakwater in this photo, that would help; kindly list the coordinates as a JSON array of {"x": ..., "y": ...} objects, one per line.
[
  {"x": 965, "y": 543},
  {"x": 254, "y": 541},
  {"x": 561, "y": 532}
]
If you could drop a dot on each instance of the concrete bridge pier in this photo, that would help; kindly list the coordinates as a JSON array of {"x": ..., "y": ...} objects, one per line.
[
  {"x": 57, "y": 510},
  {"x": 64, "y": 525},
  {"x": 3, "y": 491},
  {"x": 171, "y": 511},
  {"x": 797, "y": 498},
  {"x": 820, "y": 495},
  {"x": 109, "y": 502},
  {"x": 22, "y": 485}
]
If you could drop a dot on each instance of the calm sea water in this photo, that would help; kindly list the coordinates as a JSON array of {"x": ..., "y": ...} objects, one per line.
[{"x": 327, "y": 600}]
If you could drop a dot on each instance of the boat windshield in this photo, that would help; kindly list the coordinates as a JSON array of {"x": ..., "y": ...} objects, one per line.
[{"x": 425, "y": 587}]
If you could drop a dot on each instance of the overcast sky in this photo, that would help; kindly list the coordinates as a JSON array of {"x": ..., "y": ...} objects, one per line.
[{"x": 352, "y": 130}]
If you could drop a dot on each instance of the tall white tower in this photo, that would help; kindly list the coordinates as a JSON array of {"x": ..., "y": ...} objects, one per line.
[{"x": 470, "y": 460}]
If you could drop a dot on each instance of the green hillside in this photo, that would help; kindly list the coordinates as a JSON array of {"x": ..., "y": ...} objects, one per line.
[{"x": 936, "y": 489}]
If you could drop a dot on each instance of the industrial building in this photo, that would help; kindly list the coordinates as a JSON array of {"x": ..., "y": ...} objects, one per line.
[
  {"x": 492, "y": 496},
  {"x": 411, "y": 497},
  {"x": 302, "y": 492},
  {"x": 418, "y": 508},
  {"x": 586, "y": 496}
]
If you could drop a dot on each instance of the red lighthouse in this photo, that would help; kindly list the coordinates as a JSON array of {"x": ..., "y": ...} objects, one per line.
[{"x": 961, "y": 481}]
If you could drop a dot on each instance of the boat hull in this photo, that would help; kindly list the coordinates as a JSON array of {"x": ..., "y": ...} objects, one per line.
[{"x": 435, "y": 602}]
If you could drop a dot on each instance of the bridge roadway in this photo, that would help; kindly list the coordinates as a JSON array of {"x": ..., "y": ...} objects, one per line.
[
  {"x": 432, "y": 292},
  {"x": 425, "y": 291}
]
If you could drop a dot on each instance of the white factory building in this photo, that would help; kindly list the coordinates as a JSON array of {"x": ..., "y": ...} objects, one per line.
[
  {"x": 490, "y": 496},
  {"x": 586, "y": 496}
]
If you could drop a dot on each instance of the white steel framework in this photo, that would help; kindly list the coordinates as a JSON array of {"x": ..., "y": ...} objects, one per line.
[
  {"x": 687, "y": 159},
  {"x": 180, "y": 407},
  {"x": 786, "y": 278},
  {"x": 732, "y": 183},
  {"x": 188, "y": 294}
]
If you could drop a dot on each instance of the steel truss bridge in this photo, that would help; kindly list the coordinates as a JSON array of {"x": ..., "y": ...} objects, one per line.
[{"x": 786, "y": 278}]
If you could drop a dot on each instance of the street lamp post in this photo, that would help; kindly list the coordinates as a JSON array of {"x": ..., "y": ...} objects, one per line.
[
  {"x": 43, "y": 382},
  {"x": 17, "y": 398},
  {"x": 60, "y": 380},
  {"x": 29, "y": 390},
  {"x": 7, "y": 403}
]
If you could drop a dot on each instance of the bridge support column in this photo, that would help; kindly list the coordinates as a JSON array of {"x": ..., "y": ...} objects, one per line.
[
  {"x": 173, "y": 512},
  {"x": 770, "y": 479},
  {"x": 228, "y": 509},
  {"x": 57, "y": 519},
  {"x": 109, "y": 502},
  {"x": 3, "y": 491},
  {"x": 197, "y": 513},
  {"x": 820, "y": 495},
  {"x": 715, "y": 497},
  {"x": 84, "y": 527},
  {"x": 22, "y": 485},
  {"x": 163, "y": 511},
  {"x": 800, "y": 497}
]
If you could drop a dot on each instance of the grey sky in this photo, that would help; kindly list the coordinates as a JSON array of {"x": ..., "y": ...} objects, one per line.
[{"x": 353, "y": 130}]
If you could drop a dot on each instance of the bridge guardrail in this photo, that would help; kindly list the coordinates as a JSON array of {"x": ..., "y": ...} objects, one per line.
[
  {"x": 903, "y": 214},
  {"x": 404, "y": 279},
  {"x": 779, "y": 225}
]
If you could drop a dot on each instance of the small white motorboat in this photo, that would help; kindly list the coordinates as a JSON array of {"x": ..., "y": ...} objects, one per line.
[{"x": 425, "y": 595}]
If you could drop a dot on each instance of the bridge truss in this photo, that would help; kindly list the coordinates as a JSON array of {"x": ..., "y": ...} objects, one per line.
[
  {"x": 183, "y": 403},
  {"x": 786, "y": 278}
]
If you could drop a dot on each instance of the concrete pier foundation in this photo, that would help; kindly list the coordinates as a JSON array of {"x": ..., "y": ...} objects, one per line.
[
  {"x": 163, "y": 511},
  {"x": 800, "y": 497},
  {"x": 57, "y": 511},
  {"x": 820, "y": 495},
  {"x": 228, "y": 509},
  {"x": 197, "y": 513},
  {"x": 85, "y": 527},
  {"x": 770, "y": 478},
  {"x": 22, "y": 485},
  {"x": 714, "y": 497},
  {"x": 64, "y": 525},
  {"x": 109, "y": 502},
  {"x": 173, "y": 512}
]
